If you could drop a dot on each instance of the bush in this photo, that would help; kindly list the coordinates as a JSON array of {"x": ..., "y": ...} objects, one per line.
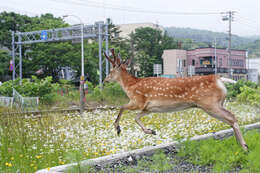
[
  {"x": 90, "y": 86},
  {"x": 234, "y": 89},
  {"x": 113, "y": 90},
  {"x": 97, "y": 93},
  {"x": 111, "y": 93},
  {"x": 250, "y": 95},
  {"x": 42, "y": 88}
]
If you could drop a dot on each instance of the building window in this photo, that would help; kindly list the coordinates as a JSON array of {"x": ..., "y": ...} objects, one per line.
[
  {"x": 220, "y": 62},
  {"x": 237, "y": 62},
  {"x": 193, "y": 62},
  {"x": 184, "y": 63}
]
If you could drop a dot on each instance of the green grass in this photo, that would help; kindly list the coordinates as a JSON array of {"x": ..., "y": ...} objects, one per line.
[{"x": 225, "y": 155}]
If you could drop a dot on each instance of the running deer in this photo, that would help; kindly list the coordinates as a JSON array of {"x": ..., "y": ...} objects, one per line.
[{"x": 153, "y": 94}]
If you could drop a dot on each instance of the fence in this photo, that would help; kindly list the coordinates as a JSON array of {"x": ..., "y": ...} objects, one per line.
[
  {"x": 6, "y": 101},
  {"x": 25, "y": 103}
]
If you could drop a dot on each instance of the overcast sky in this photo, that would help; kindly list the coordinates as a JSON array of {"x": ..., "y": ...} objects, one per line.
[{"x": 178, "y": 13}]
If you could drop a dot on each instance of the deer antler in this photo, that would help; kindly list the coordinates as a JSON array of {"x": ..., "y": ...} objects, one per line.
[
  {"x": 115, "y": 61},
  {"x": 109, "y": 59}
]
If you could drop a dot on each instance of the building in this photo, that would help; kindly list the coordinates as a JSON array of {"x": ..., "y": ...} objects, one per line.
[
  {"x": 253, "y": 65},
  {"x": 127, "y": 29},
  {"x": 201, "y": 61}
]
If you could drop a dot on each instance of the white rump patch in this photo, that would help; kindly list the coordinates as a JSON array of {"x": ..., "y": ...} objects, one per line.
[{"x": 221, "y": 85}]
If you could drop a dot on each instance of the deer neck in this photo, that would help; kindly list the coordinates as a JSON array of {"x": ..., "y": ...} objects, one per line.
[{"x": 126, "y": 80}]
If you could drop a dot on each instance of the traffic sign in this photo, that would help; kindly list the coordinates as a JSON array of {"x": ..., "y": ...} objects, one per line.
[
  {"x": 44, "y": 35},
  {"x": 157, "y": 69}
]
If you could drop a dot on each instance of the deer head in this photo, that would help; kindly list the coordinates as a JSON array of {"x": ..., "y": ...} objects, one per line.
[{"x": 118, "y": 66}]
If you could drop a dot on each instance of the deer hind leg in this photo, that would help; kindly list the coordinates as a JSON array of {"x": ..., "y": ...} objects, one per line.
[
  {"x": 227, "y": 117},
  {"x": 129, "y": 106},
  {"x": 138, "y": 121}
]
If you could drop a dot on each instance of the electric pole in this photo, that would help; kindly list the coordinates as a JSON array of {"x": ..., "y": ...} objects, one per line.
[
  {"x": 215, "y": 54},
  {"x": 230, "y": 17}
]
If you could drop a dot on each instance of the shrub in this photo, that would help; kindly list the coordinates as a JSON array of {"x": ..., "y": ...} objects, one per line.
[
  {"x": 249, "y": 95},
  {"x": 42, "y": 88},
  {"x": 97, "y": 93},
  {"x": 113, "y": 90},
  {"x": 90, "y": 86},
  {"x": 111, "y": 93},
  {"x": 234, "y": 89}
]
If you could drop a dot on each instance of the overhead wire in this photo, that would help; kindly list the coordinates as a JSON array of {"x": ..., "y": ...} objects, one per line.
[
  {"x": 249, "y": 20},
  {"x": 248, "y": 25},
  {"x": 133, "y": 9}
]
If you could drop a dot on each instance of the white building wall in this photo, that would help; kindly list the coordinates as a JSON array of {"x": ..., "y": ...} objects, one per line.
[
  {"x": 126, "y": 29},
  {"x": 172, "y": 59}
]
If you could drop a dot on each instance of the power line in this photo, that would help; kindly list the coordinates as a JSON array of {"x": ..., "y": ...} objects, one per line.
[
  {"x": 248, "y": 20},
  {"x": 248, "y": 25},
  {"x": 133, "y": 9}
]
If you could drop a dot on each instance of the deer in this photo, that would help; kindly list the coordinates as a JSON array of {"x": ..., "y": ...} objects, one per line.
[{"x": 157, "y": 94}]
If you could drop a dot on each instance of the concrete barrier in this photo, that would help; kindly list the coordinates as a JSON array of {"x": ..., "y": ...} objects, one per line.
[{"x": 105, "y": 160}]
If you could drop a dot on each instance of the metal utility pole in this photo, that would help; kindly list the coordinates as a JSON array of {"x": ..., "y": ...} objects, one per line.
[
  {"x": 229, "y": 42},
  {"x": 215, "y": 52},
  {"x": 13, "y": 54},
  {"x": 100, "y": 25},
  {"x": 106, "y": 39},
  {"x": 229, "y": 16},
  {"x": 20, "y": 59}
]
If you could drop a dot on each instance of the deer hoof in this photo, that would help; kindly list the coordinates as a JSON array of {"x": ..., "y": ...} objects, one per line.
[
  {"x": 151, "y": 132},
  {"x": 118, "y": 130},
  {"x": 246, "y": 147}
]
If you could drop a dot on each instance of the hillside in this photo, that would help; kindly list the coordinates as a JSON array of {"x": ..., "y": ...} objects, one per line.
[{"x": 201, "y": 38}]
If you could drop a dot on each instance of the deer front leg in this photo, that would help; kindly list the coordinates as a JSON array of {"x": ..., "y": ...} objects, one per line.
[
  {"x": 129, "y": 106},
  {"x": 138, "y": 121}
]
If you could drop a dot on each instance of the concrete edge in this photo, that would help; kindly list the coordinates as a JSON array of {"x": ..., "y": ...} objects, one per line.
[{"x": 146, "y": 150}]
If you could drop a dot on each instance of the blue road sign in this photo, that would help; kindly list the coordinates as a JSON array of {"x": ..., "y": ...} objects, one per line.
[{"x": 44, "y": 35}]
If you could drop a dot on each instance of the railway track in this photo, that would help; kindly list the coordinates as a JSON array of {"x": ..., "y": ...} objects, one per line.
[{"x": 46, "y": 112}]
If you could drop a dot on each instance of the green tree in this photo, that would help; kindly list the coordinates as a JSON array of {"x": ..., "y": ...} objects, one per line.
[
  {"x": 149, "y": 44},
  {"x": 12, "y": 22},
  {"x": 49, "y": 58},
  {"x": 4, "y": 65},
  {"x": 36, "y": 56}
]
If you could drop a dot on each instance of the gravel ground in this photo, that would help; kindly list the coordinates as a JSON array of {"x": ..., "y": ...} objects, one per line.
[{"x": 177, "y": 165}]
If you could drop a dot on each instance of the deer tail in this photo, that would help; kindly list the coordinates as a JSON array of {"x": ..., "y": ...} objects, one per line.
[{"x": 226, "y": 80}]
